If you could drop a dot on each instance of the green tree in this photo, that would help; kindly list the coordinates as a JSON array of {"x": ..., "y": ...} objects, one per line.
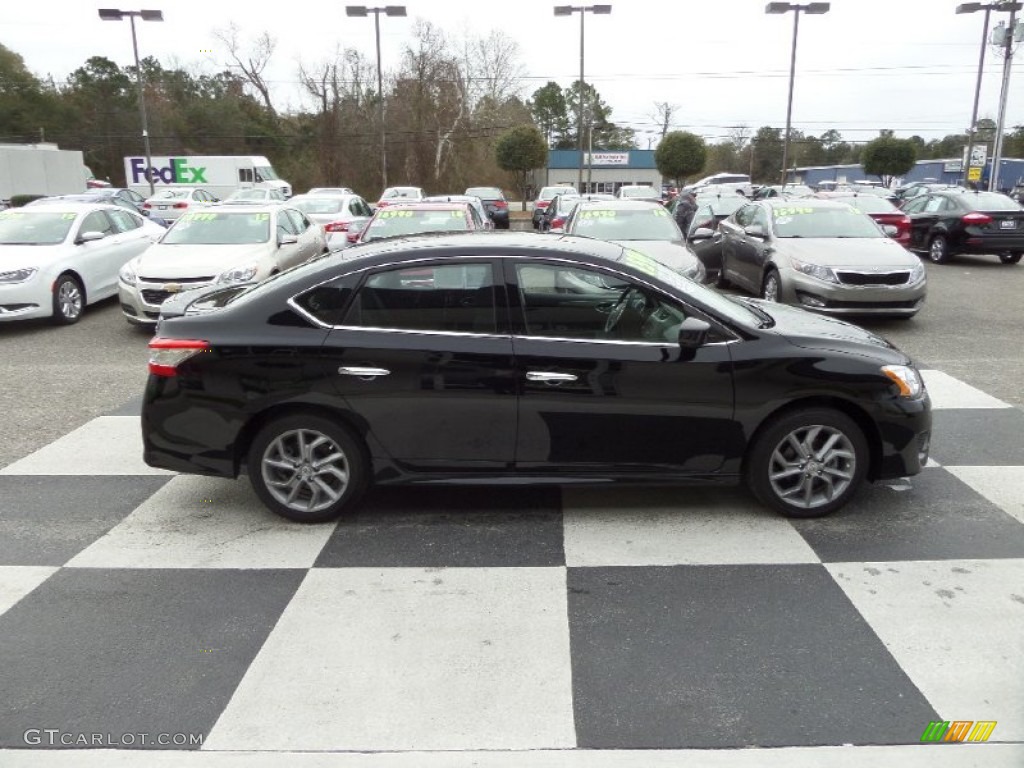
[
  {"x": 767, "y": 159},
  {"x": 520, "y": 151},
  {"x": 548, "y": 108},
  {"x": 680, "y": 154},
  {"x": 888, "y": 157}
]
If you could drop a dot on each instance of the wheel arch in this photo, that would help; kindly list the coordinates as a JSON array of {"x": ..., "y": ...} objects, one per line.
[
  {"x": 247, "y": 434},
  {"x": 847, "y": 408},
  {"x": 81, "y": 282}
]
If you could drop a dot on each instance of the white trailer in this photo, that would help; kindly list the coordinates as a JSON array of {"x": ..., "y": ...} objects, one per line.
[
  {"x": 220, "y": 175},
  {"x": 41, "y": 169}
]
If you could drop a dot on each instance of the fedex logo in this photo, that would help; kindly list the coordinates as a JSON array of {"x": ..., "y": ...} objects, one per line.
[{"x": 177, "y": 171}]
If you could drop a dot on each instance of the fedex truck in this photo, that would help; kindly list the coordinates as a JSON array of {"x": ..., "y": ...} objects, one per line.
[{"x": 220, "y": 175}]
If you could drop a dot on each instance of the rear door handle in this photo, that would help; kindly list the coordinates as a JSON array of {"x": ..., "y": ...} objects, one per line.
[
  {"x": 549, "y": 377},
  {"x": 363, "y": 372}
]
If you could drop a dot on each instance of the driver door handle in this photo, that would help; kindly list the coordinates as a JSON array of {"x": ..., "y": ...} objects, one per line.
[
  {"x": 549, "y": 377},
  {"x": 364, "y": 373}
]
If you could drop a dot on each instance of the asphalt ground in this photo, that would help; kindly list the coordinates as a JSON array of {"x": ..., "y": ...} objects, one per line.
[{"x": 55, "y": 379}]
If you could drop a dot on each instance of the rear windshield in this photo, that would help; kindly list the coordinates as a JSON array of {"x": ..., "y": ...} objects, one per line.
[
  {"x": 485, "y": 193},
  {"x": 171, "y": 194},
  {"x": 869, "y": 204},
  {"x": 990, "y": 201},
  {"x": 548, "y": 192},
  {"x": 639, "y": 192},
  {"x": 317, "y": 205}
]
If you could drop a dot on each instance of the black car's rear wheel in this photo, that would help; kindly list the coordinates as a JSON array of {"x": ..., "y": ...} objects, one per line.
[
  {"x": 1009, "y": 258},
  {"x": 307, "y": 468},
  {"x": 808, "y": 463},
  {"x": 938, "y": 250}
]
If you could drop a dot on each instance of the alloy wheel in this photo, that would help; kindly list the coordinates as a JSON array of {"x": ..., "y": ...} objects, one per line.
[
  {"x": 69, "y": 299},
  {"x": 305, "y": 470},
  {"x": 812, "y": 465}
]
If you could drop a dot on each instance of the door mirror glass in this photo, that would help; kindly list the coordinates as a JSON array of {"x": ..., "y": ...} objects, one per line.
[
  {"x": 88, "y": 237},
  {"x": 284, "y": 239},
  {"x": 702, "y": 233},
  {"x": 755, "y": 230}
]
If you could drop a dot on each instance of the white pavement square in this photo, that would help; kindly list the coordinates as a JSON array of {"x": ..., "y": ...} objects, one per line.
[
  {"x": 107, "y": 445},
  {"x": 1000, "y": 485},
  {"x": 956, "y": 627},
  {"x": 203, "y": 522},
  {"x": 677, "y": 526},
  {"x": 949, "y": 392},
  {"x": 16, "y": 581},
  {"x": 411, "y": 658}
]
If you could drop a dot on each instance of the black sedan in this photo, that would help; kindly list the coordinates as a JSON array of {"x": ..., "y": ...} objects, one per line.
[
  {"x": 521, "y": 358},
  {"x": 495, "y": 203},
  {"x": 943, "y": 224}
]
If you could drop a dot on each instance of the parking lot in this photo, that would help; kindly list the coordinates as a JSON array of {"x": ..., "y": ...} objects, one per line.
[{"x": 460, "y": 627}]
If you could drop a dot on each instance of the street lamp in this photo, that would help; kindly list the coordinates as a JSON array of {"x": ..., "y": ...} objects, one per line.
[
  {"x": 582, "y": 10},
  {"x": 362, "y": 11},
  {"x": 813, "y": 8},
  {"x": 987, "y": 8},
  {"x": 113, "y": 14}
]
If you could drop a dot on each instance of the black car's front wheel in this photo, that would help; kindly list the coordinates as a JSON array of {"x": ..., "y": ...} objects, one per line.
[
  {"x": 307, "y": 468},
  {"x": 808, "y": 463},
  {"x": 938, "y": 250},
  {"x": 1009, "y": 258}
]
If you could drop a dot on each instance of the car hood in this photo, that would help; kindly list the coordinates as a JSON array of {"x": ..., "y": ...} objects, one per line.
[
  {"x": 808, "y": 330},
  {"x": 14, "y": 257},
  {"x": 670, "y": 253},
  {"x": 846, "y": 252},
  {"x": 196, "y": 260}
]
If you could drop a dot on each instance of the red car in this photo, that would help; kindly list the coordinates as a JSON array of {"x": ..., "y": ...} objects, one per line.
[
  {"x": 882, "y": 211},
  {"x": 404, "y": 219}
]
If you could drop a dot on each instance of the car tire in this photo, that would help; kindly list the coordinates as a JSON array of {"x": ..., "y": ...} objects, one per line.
[
  {"x": 307, "y": 468},
  {"x": 1010, "y": 258},
  {"x": 68, "y": 300},
  {"x": 938, "y": 250},
  {"x": 771, "y": 286},
  {"x": 798, "y": 460}
]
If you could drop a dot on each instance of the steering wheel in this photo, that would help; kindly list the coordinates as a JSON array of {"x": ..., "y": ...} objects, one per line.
[{"x": 631, "y": 297}]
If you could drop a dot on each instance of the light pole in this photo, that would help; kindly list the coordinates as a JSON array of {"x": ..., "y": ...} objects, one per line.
[
  {"x": 113, "y": 14},
  {"x": 387, "y": 10},
  {"x": 1010, "y": 35},
  {"x": 582, "y": 10},
  {"x": 987, "y": 8},
  {"x": 813, "y": 8}
]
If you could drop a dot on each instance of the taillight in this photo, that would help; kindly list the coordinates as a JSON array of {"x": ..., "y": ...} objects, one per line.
[
  {"x": 382, "y": 204},
  {"x": 165, "y": 355},
  {"x": 976, "y": 219},
  {"x": 353, "y": 236},
  {"x": 500, "y": 204},
  {"x": 147, "y": 205},
  {"x": 557, "y": 222},
  {"x": 181, "y": 205},
  {"x": 542, "y": 203},
  {"x": 337, "y": 226}
]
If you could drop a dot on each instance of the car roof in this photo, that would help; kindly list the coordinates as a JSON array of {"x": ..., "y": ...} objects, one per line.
[
  {"x": 420, "y": 205},
  {"x": 803, "y": 202},
  {"x": 70, "y": 206},
  {"x": 255, "y": 208}
]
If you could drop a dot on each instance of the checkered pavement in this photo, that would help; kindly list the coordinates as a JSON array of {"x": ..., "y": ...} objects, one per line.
[{"x": 512, "y": 626}]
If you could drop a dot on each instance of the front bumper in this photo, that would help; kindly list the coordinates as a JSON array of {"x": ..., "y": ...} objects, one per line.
[
  {"x": 25, "y": 301},
  {"x": 844, "y": 299},
  {"x": 140, "y": 303},
  {"x": 905, "y": 428}
]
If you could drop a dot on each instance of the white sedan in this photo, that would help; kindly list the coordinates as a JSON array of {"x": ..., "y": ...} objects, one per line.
[
  {"x": 225, "y": 244},
  {"x": 171, "y": 202},
  {"x": 56, "y": 259}
]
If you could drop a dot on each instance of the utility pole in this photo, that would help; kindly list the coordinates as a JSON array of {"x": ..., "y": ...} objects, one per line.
[{"x": 997, "y": 151}]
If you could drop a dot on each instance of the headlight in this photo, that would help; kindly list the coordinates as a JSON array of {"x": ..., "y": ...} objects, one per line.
[
  {"x": 237, "y": 274},
  {"x": 906, "y": 378},
  {"x": 815, "y": 270},
  {"x": 127, "y": 275},
  {"x": 17, "y": 275},
  {"x": 917, "y": 273}
]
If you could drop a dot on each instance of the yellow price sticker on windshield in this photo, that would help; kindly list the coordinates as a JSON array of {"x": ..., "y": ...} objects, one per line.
[
  {"x": 199, "y": 216},
  {"x": 68, "y": 216},
  {"x": 457, "y": 214},
  {"x": 659, "y": 212},
  {"x": 262, "y": 216},
  {"x": 395, "y": 214},
  {"x": 11, "y": 215},
  {"x": 641, "y": 261},
  {"x": 603, "y": 214},
  {"x": 792, "y": 211}
]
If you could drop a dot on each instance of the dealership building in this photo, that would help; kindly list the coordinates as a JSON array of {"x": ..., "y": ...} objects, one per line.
[
  {"x": 949, "y": 171},
  {"x": 602, "y": 171}
]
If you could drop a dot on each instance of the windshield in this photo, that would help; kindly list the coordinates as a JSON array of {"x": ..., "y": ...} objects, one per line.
[
  {"x": 726, "y": 205},
  {"x": 219, "y": 229},
  {"x": 316, "y": 205},
  {"x": 484, "y": 193},
  {"x": 407, "y": 192},
  {"x": 34, "y": 228},
  {"x": 723, "y": 305},
  {"x": 395, "y": 223},
  {"x": 265, "y": 173},
  {"x": 639, "y": 192},
  {"x": 248, "y": 194},
  {"x": 870, "y": 204},
  {"x": 548, "y": 192},
  {"x": 619, "y": 224},
  {"x": 801, "y": 221},
  {"x": 991, "y": 201}
]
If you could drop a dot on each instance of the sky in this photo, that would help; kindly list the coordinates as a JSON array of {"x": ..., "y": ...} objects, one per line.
[{"x": 906, "y": 65}]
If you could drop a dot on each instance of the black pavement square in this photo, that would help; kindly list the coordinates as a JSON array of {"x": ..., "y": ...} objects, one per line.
[
  {"x": 730, "y": 656},
  {"x": 450, "y": 526},
  {"x": 938, "y": 518},
  {"x": 47, "y": 520},
  {"x": 131, "y": 408},
  {"x": 984, "y": 437},
  {"x": 120, "y": 652}
]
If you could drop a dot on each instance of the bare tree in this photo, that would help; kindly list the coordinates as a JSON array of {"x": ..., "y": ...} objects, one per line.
[
  {"x": 252, "y": 61},
  {"x": 663, "y": 115}
]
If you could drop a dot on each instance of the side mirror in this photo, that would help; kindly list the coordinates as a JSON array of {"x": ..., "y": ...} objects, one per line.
[
  {"x": 287, "y": 240},
  {"x": 702, "y": 233},
  {"x": 693, "y": 333},
  {"x": 890, "y": 230},
  {"x": 88, "y": 237},
  {"x": 755, "y": 230}
]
